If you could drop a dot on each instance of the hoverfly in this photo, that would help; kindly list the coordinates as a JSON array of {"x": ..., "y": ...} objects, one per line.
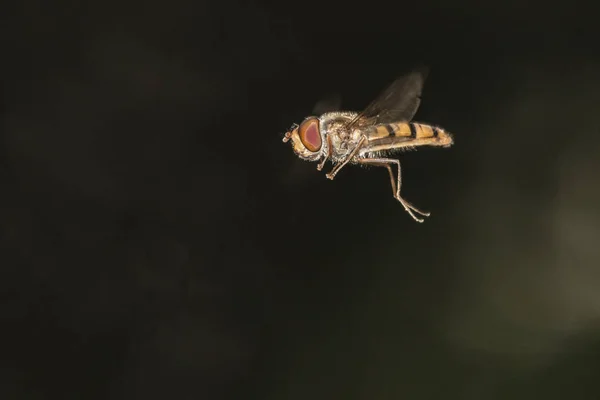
[{"x": 365, "y": 138}]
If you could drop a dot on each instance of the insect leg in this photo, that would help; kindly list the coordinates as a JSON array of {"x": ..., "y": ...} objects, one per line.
[
  {"x": 322, "y": 163},
  {"x": 396, "y": 183},
  {"x": 350, "y": 156}
]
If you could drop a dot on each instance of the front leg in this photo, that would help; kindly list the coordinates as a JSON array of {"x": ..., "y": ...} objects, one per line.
[
  {"x": 346, "y": 160},
  {"x": 322, "y": 163}
]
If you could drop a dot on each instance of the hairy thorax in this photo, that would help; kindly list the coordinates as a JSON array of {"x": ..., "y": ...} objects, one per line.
[{"x": 342, "y": 141}]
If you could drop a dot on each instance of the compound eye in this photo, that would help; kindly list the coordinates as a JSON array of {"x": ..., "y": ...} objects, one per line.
[{"x": 310, "y": 135}]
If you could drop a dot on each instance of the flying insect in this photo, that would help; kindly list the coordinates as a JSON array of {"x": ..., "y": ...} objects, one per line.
[{"x": 369, "y": 137}]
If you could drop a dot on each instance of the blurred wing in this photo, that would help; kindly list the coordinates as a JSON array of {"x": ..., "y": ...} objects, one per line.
[
  {"x": 330, "y": 102},
  {"x": 399, "y": 102}
]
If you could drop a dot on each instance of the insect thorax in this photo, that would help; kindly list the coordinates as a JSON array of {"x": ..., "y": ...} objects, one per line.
[{"x": 332, "y": 125}]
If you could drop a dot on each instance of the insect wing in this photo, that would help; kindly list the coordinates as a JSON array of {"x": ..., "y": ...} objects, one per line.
[
  {"x": 398, "y": 102},
  {"x": 330, "y": 102}
]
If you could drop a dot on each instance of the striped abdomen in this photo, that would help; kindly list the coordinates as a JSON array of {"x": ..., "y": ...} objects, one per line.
[{"x": 406, "y": 134}]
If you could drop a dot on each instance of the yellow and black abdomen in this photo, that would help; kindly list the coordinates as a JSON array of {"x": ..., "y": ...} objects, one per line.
[{"x": 399, "y": 135}]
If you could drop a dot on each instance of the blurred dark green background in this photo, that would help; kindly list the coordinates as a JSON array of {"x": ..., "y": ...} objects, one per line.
[{"x": 159, "y": 241}]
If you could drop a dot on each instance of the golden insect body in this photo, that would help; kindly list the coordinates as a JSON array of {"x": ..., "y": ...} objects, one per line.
[{"x": 366, "y": 138}]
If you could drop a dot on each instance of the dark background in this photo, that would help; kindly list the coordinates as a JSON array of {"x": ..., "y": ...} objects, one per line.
[{"x": 159, "y": 241}]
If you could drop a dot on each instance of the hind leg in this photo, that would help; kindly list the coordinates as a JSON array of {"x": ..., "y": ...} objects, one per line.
[{"x": 396, "y": 184}]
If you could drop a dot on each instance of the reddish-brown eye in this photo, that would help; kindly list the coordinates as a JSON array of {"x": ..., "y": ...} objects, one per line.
[{"x": 309, "y": 134}]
